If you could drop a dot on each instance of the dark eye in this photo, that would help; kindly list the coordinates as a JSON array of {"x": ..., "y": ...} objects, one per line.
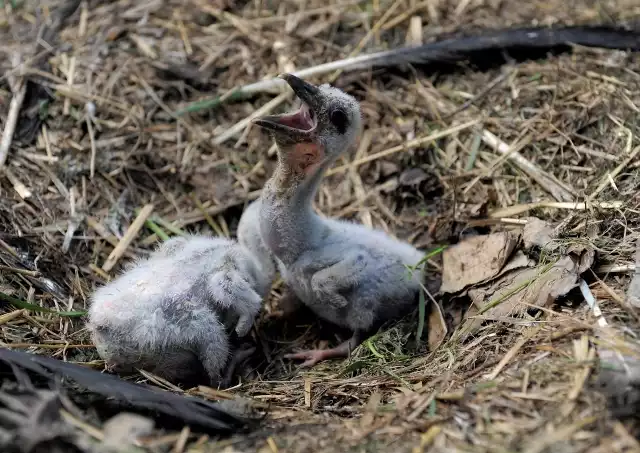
[{"x": 339, "y": 120}]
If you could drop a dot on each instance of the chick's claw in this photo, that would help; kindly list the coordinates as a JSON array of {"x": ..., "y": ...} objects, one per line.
[
  {"x": 314, "y": 356},
  {"x": 310, "y": 357}
]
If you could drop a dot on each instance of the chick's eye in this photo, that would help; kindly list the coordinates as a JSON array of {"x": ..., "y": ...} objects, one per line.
[{"x": 339, "y": 120}]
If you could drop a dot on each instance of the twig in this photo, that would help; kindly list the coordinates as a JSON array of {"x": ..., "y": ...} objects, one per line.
[
  {"x": 506, "y": 153},
  {"x": 609, "y": 177},
  {"x": 128, "y": 237},
  {"x": 19, "y": 88},
  {"x": 546, "y": 181},
  {"x": 510, "y": 211},
  {"x": 199, "y": 215},
  {"x": 513, "y": 351},
  {"x": 363, "y": 42},
  {"x": 90, "y": 108},
  {"x": 404, "y": 147},
  {"x": 214, "y": 226},
  {"x": 593, "y": 304},
  {"x": 615, "y": 268},
  {"x": 32, "y": 307},
  {"x": 18, "y": 185},
  {"x": 482, "y": 93},
  {"x": 149, "y": 223},
  {"x": 239, "y": 126}
]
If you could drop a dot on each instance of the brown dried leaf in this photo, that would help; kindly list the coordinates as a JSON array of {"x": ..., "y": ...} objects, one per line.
[
  {"x": 437, "y": 327},
  {"x": 476, "y": 260},
  {"x": 538, "y": 233},
  {"x": 583, "y": 254},
  {"x": 520, "y": 288}
]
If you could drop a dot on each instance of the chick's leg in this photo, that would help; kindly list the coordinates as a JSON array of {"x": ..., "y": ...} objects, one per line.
[
  {"x": 314, "y": 356},
  {"x": 329, "y": 282},
  {"x": 238, "y": 356}
]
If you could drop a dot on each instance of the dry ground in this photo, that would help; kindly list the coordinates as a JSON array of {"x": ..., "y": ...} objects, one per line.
[{"x": 119, "y": 71}]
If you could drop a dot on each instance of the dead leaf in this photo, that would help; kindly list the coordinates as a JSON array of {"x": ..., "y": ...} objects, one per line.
[
  {"x": 520, "y": 288},
  {"x": 583, "y": 254},
  {"x": 437, "y": 327},
  {"x": 475, "y": 260},
  {"x": 538, "y": 233},
  {"x": 518, "y": 261}
]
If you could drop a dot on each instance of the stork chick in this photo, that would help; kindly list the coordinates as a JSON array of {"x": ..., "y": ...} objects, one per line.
[
  {"x": 169, "y": 313},
  {"x": 249, "y": 235},
  {"x": 346, "y": 273}
]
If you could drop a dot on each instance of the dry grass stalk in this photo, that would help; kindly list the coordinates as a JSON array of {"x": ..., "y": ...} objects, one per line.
[
  {"x": 128, "y": 237},
  {"x": 562, "y": 125}
]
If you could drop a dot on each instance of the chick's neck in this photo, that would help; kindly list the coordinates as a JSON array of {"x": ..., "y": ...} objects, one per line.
[{"x": 288, "y": 223}]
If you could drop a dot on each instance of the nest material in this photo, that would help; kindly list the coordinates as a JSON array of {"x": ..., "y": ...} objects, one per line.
[{"x": 103, "y": 121}]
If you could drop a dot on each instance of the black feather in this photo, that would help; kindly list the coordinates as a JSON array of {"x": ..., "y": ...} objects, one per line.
[
  {"x": 119, "y": 394},
  {"x": 518, "y": 39}
]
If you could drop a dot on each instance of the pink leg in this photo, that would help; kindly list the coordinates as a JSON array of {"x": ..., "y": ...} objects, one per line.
[{"x": 313, "y": 356}]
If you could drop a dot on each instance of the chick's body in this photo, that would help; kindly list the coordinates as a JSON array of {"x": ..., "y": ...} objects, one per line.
[
  {"x": 167, "y": 313},
  {"x": 373, "y": 272}
]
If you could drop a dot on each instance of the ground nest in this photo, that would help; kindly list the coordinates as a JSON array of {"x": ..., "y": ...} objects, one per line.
[{"x": 118, "y": 145}]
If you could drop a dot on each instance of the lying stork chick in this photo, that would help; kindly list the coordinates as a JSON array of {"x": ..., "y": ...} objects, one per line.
[
  {"x": 249, "y": 236},
  {"x": 346, "y": 273},
  {"x": 171, "y": 313}
]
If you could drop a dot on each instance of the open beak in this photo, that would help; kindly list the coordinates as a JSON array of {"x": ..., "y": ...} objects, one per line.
[
  {"x": 301, "y": 124},
  {"x": 309, "y": 94}
]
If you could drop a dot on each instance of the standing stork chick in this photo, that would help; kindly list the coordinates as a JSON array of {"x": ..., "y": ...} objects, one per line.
[
  {"x": 170, "y": 313},
  {"x": 346, "y": 273}
]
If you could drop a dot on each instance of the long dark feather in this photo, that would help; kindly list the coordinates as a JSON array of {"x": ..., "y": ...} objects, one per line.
[
  {"x": 531, "y": 38},
  {"x": 184, "y": 410},
  {"x": 459, "y": 49}
]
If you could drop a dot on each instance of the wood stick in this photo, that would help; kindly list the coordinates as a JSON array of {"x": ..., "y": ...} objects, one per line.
[
  {"x": 547, "y": 183},
  {"x": 19, "y": 91},
  {"x": 239, "y": 126},
  {"x": 128, "y": 237}
]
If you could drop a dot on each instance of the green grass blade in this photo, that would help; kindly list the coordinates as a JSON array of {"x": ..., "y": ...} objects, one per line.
[
  {"x": 208, "y": 104},
  {"x": 27, "y": 306},
  {"x": 156, "y": 229}
]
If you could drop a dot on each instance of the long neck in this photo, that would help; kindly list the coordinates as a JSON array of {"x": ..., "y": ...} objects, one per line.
[{"x": 288, "y": 223}]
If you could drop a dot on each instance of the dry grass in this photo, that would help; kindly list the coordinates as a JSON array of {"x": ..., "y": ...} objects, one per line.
[{"x": 120, "y": 71}]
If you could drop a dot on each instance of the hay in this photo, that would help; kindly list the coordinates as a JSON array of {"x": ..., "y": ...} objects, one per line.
[{"x": 103, "y": 164}]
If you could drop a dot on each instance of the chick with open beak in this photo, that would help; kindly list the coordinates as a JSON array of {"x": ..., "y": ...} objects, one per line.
[
  {"x": 346, "y": 273},
  {"x": 326, "y": 125}
]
